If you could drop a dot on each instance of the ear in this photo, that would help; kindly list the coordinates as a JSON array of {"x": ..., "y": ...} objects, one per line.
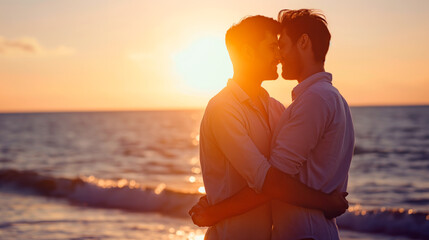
[{"x": 304, "y": 41}]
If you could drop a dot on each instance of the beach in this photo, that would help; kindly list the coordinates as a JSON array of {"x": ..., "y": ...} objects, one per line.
[{"x": 134, "y": 175}]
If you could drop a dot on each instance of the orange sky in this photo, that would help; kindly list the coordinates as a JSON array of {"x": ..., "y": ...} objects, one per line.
[{"x": 121, "y": 55}]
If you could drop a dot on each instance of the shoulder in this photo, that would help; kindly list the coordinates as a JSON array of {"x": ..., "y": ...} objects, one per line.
[
  {"x": 276, "y": 105},
  {"x": 222, "y": 99},
  {"x": 222, "y": 104},
  {"x": 324, "y": 90},
  {"x": 313, "y": 101},
  {"x": 323, "y": 93}
]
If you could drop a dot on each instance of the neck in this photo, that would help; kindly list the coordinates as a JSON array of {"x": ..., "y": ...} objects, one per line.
[
  {"x": 248, "y": 83},
  {"x": 310, "y": 70}
]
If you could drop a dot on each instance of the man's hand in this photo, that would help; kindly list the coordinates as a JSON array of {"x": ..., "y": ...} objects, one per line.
[
  {"x": 336, "y": 205},
  {"x": 200, "y": 215}
]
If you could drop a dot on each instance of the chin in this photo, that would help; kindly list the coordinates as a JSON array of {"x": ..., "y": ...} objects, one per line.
[
  {"x": 287, "y": 76},
  {"x": 271, "y": 76}
]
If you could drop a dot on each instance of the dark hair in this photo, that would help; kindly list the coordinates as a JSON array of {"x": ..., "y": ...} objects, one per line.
[
  {"x": 250, "y": 30},
  {"x": 310, "y": 22}
]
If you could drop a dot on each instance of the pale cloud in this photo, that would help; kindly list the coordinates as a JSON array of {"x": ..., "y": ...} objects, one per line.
[{"x": 23, "y": 47}]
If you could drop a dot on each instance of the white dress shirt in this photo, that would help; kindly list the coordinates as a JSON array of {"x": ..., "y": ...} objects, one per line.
[
  {"x": 313, "y": 141},
  {"x": 235, "y": 140}
]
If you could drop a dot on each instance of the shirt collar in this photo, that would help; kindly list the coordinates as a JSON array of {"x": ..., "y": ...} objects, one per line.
[
  {"x": 304, "y": 85},
  {"x": 241, "y": 95}
]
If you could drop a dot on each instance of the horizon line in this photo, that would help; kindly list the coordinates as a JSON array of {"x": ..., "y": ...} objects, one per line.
[{"x": 169, "y": 109}]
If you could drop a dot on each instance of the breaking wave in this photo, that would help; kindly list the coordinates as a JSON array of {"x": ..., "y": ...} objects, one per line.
[
  {"x": 128, "y": 195},
  {"x": 92, "y": 192}
]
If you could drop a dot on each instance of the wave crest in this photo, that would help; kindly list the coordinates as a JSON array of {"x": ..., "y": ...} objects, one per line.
[
  {"x": 396, "y": 222},
  {"x": 92, "y": 192},
  {"x": 128, "y": 195}
]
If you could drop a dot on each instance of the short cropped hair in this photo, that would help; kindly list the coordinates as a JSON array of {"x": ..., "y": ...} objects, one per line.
[
  {"x": 310, "y": 22},
  {"x": 250, "y": 30}
]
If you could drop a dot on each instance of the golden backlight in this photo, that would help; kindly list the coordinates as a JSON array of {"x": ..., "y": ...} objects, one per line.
[
  {"x": 170, "y": 55},
  {"x": 203, "y": 66}
]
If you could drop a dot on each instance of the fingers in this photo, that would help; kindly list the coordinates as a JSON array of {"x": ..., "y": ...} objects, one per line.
[
  {"x": 344, "y": 200},
  {"x": 198, "y": 216},
  {"x": 202, "y": 221},
  {"x": 342, "y": 196},
  {"x": 337, "y": 192},
  {"x": 203, "y": 202},
  {"x": 329, "y": 216},
  {"x": 192, "y": 211},
  {"x": 195, "y": 220},
  {"x": 195, "y": 209},
  {"x": 196, "y": 212}
]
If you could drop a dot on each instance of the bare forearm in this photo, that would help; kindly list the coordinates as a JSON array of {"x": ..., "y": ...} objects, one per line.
[
  {"x": 287, "y": 189},
  {"x": 240, "y": 203},
  {"x": 277, "y": 185}
]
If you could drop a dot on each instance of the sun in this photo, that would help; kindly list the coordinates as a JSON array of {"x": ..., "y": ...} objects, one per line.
[{"x": 203, "y": 66}]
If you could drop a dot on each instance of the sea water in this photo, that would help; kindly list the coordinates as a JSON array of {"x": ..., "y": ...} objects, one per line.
[{"x": 134, "y": 175}]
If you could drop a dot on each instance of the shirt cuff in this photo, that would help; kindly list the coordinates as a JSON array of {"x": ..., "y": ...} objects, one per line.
[
  {"x": 260, "y": 176},
  {"x": 284, "y": 165}
]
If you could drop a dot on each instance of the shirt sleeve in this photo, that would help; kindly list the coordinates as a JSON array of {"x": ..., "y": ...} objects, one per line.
[
  {"x": 298, "y": 135},
  {"x": 232, "y": 137}
]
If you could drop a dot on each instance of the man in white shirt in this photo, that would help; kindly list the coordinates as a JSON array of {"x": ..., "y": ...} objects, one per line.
[
  {"x": 313, "y": 141},
  {"x": 236, "y": 133}
]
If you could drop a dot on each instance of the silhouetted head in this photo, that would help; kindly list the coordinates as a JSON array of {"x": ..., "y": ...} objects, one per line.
[
  {"x": 304, "y": 40},
  {"x": 253, "y": 47}
]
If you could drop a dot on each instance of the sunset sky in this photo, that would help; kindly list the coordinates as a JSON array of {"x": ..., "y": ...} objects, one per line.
[{"x": 75, "y": 55}]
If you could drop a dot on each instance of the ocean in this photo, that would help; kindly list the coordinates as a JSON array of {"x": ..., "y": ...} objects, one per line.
[{"x": 134, "y": 175}]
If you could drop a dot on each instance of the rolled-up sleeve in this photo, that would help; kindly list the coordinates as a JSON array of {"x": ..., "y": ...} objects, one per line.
[
  {"x": 298, "y": 135},
  {"x": 232, "y": 137}
]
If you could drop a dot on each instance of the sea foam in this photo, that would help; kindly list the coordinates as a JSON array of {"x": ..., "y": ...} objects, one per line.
[{"x": 128, "y": 195}]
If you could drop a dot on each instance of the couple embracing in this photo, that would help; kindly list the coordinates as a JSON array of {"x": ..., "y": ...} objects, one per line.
[{"x": 272, "y": 172}]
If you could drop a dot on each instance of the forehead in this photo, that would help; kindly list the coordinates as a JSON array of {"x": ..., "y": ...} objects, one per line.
[
  {"x": 270, "y": 38},
  {"x": 283, "y": 36}
]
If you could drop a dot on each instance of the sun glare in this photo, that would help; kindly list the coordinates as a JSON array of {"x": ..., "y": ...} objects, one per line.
[
  {"x": 202, "y": 190},
  {"x": 203, "y": 66}
]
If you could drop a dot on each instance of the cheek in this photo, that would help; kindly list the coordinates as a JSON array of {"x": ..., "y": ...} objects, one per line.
[
  {"x": 264, "y": 59},
  {"x": 284, "y": 52},
  {"x": 289, "y": 54}
]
